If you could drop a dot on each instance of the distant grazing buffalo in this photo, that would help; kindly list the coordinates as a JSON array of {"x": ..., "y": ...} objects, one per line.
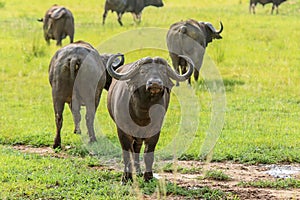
[
  {"x": 138, "y": 99},
  {"x": 190, "y": 38},
  {"x": 275, "y": 3},
  {"x": 58, "y": 23},
  {"x": 134, "y": 6},
  {"x": 77, "y": 75}
]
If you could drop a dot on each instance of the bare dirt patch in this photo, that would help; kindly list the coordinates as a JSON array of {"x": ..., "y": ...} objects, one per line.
[
  {"x": 236, "y": 172},
  {"x": 43, "y": 151}
]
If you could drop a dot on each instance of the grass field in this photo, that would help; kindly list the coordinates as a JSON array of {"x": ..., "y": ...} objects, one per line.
[{"x": 258, "y": 60}]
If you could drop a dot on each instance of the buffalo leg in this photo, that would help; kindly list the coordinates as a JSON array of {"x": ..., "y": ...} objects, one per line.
[
  {"x": 273, "y": 7},
  {"x": 127, "y": 149},
  {"x": 252, "y": 6},
  {"x": 98, "y": 97},
  {"x": 71, "y": 39},
  {"x": 196, "y": 74},
  {"x": 137, "y": 145},
  {"x": 89, "y": 117},
  {"x": 137, "y": 17},
  {"x": 58, "y": 42},
  {"x": 104, "y": 16},
  {"x": 75, "y": 109},
  {"x": 134, "y": 17},
  {"x": 47, "y": 38},
  {"x": 58, "y": 109},
  {"x": 120, "y": 18},
  {"x": 150, "y": 144}
]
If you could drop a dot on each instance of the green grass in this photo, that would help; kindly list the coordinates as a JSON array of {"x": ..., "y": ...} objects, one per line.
[
  {"x": 31, "y": 176},
  {"x": 2, "y": 4},
  {"x": 28, "y": 176},
  {"x": 162, "y": 189},
  {"x": 258, "y": 59},
  {"x": 216, "y": 175}
]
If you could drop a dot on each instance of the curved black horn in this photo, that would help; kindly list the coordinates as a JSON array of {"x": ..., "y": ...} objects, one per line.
[
  {"x": 183, "y": 77},
  {"x": 221, "y": 29},
  {"x": 129, "y": 74}
]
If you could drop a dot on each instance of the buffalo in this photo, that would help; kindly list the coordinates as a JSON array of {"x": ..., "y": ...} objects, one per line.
[
  {"x": 77, "y": 75},
  {"x": 137, "y": 101},
  {"x": 190, "y": 38},
  {"x": 275, "y": 5},
  {"x": 134, "y": 6},
  {"x": 58, "y": 22}
]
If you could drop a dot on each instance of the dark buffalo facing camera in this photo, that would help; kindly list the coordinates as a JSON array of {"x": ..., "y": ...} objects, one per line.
[{"x": 138, "y": 99}]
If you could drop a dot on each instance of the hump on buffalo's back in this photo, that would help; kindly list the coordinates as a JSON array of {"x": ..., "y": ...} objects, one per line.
[{"x": 58, "y": 13}]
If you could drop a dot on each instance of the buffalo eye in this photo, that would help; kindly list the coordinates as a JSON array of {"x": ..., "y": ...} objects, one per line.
[{"x": 143, "y": 71}]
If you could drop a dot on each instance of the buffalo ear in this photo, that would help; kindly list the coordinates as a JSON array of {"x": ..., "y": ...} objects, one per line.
[
  {"x": 40, "y": 20},
  {"x": 217, "y": 36}
]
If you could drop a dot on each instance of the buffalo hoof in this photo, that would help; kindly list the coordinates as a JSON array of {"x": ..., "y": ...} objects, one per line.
[
  {"x": 57, "y": 143},
  {"x": 56, "y": 146},
  {"x": 126, "y": 178},
  {"x": 148, "y": 176},
  {"x": 92, "y": 140}
]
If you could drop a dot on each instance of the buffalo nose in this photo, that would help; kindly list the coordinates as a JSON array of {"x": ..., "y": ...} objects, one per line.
[
  {"x": 154, "y": 83},
  {"x": 154, "y": 86}
]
